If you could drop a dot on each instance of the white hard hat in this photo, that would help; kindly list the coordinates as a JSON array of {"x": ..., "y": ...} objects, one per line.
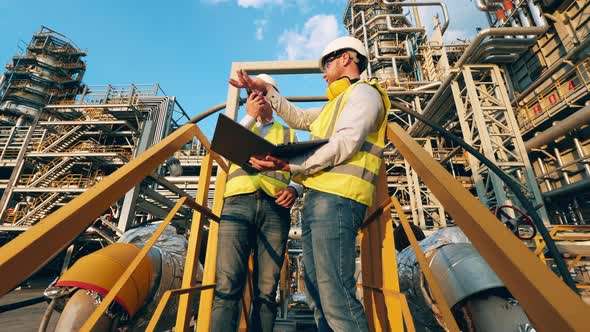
[
  {"x": 268, "y": 79},
  {"x": 346, "y": 43}
]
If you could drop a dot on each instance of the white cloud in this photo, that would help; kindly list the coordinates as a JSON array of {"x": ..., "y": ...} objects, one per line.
[
  {"x": 259, "y": 3},
  {"x": 309, "y": 42},
  {"x": 260, "y": 28}
]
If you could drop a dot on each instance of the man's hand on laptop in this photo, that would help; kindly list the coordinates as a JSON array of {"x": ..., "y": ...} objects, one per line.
[{"x": 269, "y": 163}]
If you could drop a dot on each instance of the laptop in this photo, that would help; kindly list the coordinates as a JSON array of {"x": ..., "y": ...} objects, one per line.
[{"x": 238, "y": 144}]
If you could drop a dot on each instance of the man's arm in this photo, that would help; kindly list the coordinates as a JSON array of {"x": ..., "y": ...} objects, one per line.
[
  {"x": 361, "y": 115},
  {"x": 248, "y": 121},
  {"x": 294, "y": 116}
]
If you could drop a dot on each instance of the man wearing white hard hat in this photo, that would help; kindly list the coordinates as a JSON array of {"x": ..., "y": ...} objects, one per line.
[
  {"x": 256, "y": 218},
  {"x": 340, "y": 177}
]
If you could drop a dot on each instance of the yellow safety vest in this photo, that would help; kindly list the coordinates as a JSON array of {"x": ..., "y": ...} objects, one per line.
[
  {"x": 241, "y": 182},
  {"x": 356, "y": 177}
]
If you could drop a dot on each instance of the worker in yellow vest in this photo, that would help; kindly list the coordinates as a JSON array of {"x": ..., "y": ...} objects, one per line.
[
  {"x": 340, "y": 177},
  {"x": 256, "y": 218}
]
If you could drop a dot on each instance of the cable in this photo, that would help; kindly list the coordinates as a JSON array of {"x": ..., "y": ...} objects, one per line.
[
  {"x": 22, "y": 304},
  {"x": 510, "y": 183}
]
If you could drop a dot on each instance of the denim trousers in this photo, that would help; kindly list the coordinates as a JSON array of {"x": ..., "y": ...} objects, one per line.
[
  {"x": 256, "y": 224},
  {"x": 329, "y": 228}
]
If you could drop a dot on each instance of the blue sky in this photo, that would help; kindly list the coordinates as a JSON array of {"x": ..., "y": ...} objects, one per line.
[{"x": 187, "y": 46}]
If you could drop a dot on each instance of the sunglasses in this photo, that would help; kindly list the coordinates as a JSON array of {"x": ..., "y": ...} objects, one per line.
[{"x": 331, "y": 58}]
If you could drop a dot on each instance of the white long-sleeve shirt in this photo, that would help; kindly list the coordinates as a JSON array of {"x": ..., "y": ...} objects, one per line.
[
  {"x": 360, "y": 116},
  {"x": 248, "y": 122}
]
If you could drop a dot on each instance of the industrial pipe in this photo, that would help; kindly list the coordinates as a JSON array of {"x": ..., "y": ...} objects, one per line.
[
  {"x": 378, "y": 56},
  {"x": 536, "y": 13},
  {"x": 427, "y": 86},
  {"x": 440, "y": 4},
  {"x": 484, "y": 6},
  {"x": 467, "y": 55},
  {"x": 576, "y": 120},
  {"x": 497, "y": 32},
  {"x": 568, "y": 190},
  {"x": 387, "y": 17},
  {"x": 391, "y": 28}
]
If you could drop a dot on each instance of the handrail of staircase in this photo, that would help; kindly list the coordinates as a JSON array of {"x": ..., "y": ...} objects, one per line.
[
  {"x": 549, "y": 303},
  {"x": 30, "y": 251}
]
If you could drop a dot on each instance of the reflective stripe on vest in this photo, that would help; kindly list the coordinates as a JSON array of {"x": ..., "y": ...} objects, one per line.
[
  {"x": 356, "y": 177},
  {"x": 272, "y": 174},
  {"x": 241, "y": 182}
]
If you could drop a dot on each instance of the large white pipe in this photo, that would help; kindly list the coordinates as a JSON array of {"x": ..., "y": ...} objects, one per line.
[
  {"x": 536, "y": 13},
  {"x": 574, "y": 121}
]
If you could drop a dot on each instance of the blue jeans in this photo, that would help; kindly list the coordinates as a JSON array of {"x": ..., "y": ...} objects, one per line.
[
  {"x": 330, "y": 225},
  {"x": 249, "y": 223}
]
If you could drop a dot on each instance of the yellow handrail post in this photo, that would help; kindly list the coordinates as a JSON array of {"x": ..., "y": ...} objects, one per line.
[
  {"x": 166, "y": 297},
  {"x": 185, "y": 303},
  {"x": 433, "y": 286},
  {"x": 206, "y": 302},
  {"x": 379, "y": 267}
]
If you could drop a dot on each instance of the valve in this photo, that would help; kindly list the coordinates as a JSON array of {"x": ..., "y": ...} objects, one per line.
[{"x": 521, "y": 225}]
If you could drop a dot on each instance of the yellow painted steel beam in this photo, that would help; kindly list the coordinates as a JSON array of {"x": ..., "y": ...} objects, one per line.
[
  {"x": 185, "y": 303},
  {"x": 379, "y": 266},
  {"x": 383, "y": 207},
  {"x": 549, "y": 303},
  {"x": 205, "y": 142},
  {"x": 206, "y": 300},
  {"x": 24, "y": 255},
  {"x": 408, "y": 319},
  {"x": 106, "y": 301},
  {"x": 164, "y": 301},
  {"x": 433, "y": 286}
]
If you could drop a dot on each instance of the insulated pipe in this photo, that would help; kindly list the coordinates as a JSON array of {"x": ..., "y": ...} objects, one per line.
[
  {"x": 391, "y": 28},
  {"x": 484, "y": 6},
  {"x": 498, "y": 32},
  {"x": 387, "y": 57},
  {"x": 77, "y": 310},
  {"x": 524, "y": 20},
  {"x": 501, "y": 58},
  {"x": 536, "y": 13},
  {"x": 504, "y": 46},
  {"x": 394, "y": 67},
  {"x": 440, "y": 4},
  {"x": 427, "y": 86},
  {"x": 574, "y": 121},
  {"x": 386, "y": 17},
  {"x": 569, "y": 190}
]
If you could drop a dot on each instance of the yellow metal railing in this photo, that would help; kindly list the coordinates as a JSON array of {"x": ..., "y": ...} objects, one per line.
[
  {"x": 570, "y": 234},
  {"x": 549, "y": 303},
  {"x": 382, "y": 298},
  {"x": 541, "y": 105}
]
